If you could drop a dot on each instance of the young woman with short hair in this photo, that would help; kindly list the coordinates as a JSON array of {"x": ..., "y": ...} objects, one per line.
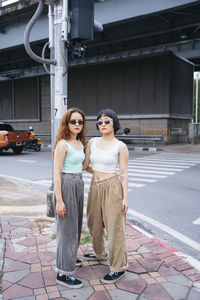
[{"x": 108, "y": 195}]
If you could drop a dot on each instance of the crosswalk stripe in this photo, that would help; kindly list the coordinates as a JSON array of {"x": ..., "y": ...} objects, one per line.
[
  {"x": 159, "y": 165},
  {"x": 137, "y": 185},
  {"x": 141, "y": 179},
  {"x": 147, "y": 175},
  {"x": 155, "y": 168},
  {"x": 166, "y": 162},
  {"x": 152, "y": 172},
  {"x": 172, "y": 160}
]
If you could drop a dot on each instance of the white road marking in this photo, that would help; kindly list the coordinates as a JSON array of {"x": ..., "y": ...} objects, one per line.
[
  {"x": 26, "y": 161},
  {"x": 167, "y": 229},
  {"x": 141, "y": 179},
  {"x": 159, "y": 165},
  {"x": 40, "y": 182},
  {"x": 173, "y": 160},
  {"x": 146, "y": 175},
  {"x": 196, "y": 222},
  {"x": 165, "y": 162},
  {"x": 137, "y": 185},
  {"x": 154, "y": 168},
  {"x": 152, "y": 172}
]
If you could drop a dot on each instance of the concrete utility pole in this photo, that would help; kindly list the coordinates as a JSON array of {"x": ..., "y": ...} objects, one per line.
[
  {"x": 79, "y": 14},
  {"x": 197, "y": 96}
]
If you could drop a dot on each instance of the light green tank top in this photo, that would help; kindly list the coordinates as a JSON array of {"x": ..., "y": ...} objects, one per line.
[{"x": 73, "y": 159}]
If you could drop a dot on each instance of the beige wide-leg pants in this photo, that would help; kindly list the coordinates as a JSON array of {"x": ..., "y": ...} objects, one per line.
[{"x": 104, "y": 210}]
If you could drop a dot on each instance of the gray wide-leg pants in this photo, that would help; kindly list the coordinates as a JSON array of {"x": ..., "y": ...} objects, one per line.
[{"x": 69, "y": 228}]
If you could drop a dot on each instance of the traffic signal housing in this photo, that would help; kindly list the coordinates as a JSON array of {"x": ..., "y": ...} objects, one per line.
[{"x": 82, "y": 20}]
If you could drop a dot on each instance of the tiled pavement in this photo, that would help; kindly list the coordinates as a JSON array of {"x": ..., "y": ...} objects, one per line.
[{"x": 29, "y": 258}]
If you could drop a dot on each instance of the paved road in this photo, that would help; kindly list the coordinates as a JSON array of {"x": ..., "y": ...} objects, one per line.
[{"x": 163, "y": 191}]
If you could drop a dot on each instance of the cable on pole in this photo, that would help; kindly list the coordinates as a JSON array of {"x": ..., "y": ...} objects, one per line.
[{"x": 27, "y": 37}]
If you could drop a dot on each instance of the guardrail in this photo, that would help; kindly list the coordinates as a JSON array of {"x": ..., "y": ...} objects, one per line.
[
  {"x": 124, "y": 138},
  {"x": 4, "y": 3},
  {"x": 134, "y": 137}
]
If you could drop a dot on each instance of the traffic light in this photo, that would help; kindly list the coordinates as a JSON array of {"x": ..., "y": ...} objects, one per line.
[{"x": 82, "y": 20}]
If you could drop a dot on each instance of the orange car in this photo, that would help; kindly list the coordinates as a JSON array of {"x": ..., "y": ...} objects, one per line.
[{"x": 12, "y": 139}]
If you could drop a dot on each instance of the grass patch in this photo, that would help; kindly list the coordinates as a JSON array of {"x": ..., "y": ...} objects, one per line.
[
  {"x": 85, "y": 237},
  {"x": 53, "y": 236}
]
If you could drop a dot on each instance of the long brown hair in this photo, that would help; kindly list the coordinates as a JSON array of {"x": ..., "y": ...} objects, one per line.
[{"x": 63, "y": 130}]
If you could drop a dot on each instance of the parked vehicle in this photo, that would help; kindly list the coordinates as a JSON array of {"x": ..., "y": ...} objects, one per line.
[
  {"x": 12, "y": 139},
  {"x": 33, "y": 143}
]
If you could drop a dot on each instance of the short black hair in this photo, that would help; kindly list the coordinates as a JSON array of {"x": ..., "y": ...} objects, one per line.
[{"x": 109, "y": 113}]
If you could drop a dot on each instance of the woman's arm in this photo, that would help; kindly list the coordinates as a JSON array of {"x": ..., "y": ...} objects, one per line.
[
  {"x": 59, "y": 155},
  {"x": 86, "y": 163},
  {"x": 123, "y": 167}
]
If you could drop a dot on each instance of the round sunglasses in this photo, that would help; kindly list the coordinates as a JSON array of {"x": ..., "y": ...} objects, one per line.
[
  {"x": 106, "y": 122},
  {"x": 74, "y": 122}
]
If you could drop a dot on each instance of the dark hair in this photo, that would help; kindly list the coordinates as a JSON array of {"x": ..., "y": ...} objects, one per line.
[{"x": 109, "y": 113}]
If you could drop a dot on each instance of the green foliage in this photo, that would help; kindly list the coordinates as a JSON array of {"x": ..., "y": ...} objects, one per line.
[{"x": 194, "y": 101}]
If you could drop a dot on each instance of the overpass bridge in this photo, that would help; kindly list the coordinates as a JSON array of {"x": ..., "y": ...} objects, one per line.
[{"x": 141, "y": 65}]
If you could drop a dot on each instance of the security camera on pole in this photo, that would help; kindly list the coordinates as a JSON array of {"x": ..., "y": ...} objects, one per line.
[{"x": 71, "y": 23}]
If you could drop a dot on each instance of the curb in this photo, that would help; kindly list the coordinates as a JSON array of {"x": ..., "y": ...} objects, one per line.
[{"x": 187, "y": 258}]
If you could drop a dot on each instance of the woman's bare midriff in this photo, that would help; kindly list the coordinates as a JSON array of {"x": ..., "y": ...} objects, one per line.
[{"x": 101, "y": 175}]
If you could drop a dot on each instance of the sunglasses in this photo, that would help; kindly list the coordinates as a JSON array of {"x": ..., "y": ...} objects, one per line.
[
  {"x": 74, "y": 122},
  {"x": 103, "y": 122}
]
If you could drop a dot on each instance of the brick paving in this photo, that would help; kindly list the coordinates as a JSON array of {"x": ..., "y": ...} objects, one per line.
[{"x": 154, "y": 272}]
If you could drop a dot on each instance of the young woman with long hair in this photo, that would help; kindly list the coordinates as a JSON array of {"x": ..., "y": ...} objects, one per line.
[
  {"x": 108, "y": 195},
  {"x": 68, "y": 157}
]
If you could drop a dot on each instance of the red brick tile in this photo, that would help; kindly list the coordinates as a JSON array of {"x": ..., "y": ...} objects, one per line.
[
  {"x": 5, "y": 285},
  {"x": 194, "y": 277},
  {"x": 150, "y": 264},
  {"x": 49, "y": 278},
  {"x": 100, "y": 295},
  {"x": 135, "y": 267},
  {"x": 172, "y": 258},
  {"x": 165, "y": 254},
  {"x": 151, "y": 256},
  {"x": 42, "y": 240},
  {"x": 156, "y": 292},
  {"x": 191, "y": 271},
  {"x": 17, "y": 291},
  {"x": 16, "y": 220},
  {"x": 132, "y": 246},
  {"x": 16, "y": 266},
  {"x": 28, "y": 242},
  {"x": 6, "y": 227},
  {"x": 86, "y": 273},
  {"x": 100, "y": 270},
  {"x": 159, "y": 250},
  {"x": 134, "y": 286},
  {"x": 46, "y": 257},
  {"x": 31, "y": 258},
  {"x": 167, "y": 270},
  {"x": 183, "y": 267},
  {"x": 33, "y": 280},
  {"x": 15, "y": 255}
]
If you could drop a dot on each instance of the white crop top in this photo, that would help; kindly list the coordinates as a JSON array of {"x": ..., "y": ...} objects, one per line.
[{"x": 105, "y": 161}]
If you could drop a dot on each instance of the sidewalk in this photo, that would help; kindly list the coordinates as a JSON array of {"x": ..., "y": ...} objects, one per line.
[{"x": 155, "y": 272}]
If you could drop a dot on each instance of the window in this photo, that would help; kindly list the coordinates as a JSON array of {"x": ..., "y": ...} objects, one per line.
[{"x": 19, "y": 99}]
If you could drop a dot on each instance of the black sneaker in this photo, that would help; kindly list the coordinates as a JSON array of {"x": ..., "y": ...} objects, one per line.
[
  {"x": 91, "y": 256},
  {"x": 113, "y": 277},
  {"x": 78, "y": 263},
  {"x": 69, "y": 281}
]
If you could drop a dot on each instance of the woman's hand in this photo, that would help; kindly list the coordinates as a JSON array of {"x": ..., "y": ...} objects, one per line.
[
  {"x": 124, "y": 205},
  {"x": 61, "y": 209}
]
